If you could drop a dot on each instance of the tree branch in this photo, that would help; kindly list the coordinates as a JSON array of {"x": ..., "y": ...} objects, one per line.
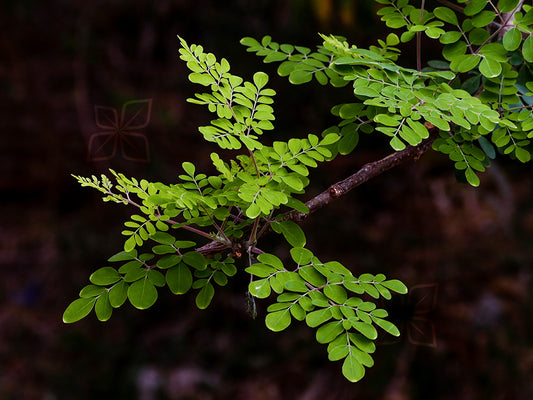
[
  {"x": 367, "y": 172},
  {"x": 337, "y": 190}
]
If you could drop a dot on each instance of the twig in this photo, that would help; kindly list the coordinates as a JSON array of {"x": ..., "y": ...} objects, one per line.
[{"x": 419, "y": 40}]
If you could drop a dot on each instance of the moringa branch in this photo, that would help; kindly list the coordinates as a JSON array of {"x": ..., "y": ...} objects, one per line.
[{"x": 367, "y": 172}]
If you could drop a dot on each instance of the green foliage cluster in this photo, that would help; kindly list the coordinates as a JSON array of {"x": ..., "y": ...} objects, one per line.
[
  {"x": 479, "y": 96},
  {"x": 473, "y": 104}
]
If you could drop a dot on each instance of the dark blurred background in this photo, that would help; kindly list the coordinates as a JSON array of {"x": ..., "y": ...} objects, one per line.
[{"x": 466, "y": 254}]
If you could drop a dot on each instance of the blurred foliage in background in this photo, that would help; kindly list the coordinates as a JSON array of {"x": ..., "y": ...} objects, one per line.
[{"x": 463, "y": 251}]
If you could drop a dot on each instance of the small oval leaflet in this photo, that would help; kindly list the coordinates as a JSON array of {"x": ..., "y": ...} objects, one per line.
[
  {"x": 78, "y": 309},
  {"x": 278, "y": 320},
  {"x": 105, "y": 276},
  {"x": 142, "y": 294}
]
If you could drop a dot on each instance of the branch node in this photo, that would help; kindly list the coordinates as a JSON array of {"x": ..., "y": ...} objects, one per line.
[{"x": 335, "y": 191}]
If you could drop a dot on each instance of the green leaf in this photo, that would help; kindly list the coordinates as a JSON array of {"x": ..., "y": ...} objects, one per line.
[
  {"x": 275, "y": 56},
  {"x": 260, "y": 288},
  {"x": 318, "y": 317},
  {"x": 118, "y": 294},
  {"x": 163, "y": 238},
  {"x": 179, "y": 279},
  {"x": 135, "y": 274},
  {"x": 483, "y": 19},
  {"x": 328, "y": 332},
  {"x": 261, "y": 270},
  {"x": 306, "y": 303},
  {"x": 201, "y": 78},
  {"x": 490, "y": 68},
  {"x": 301, "y": 256},
  {"x": 384, "y": 292},
  {"x": 512, "y": 39},
  {"x": 522, "y": 154},
  {"x": 471, "y": 177},
  {"x": 105, "y": 276},
  {"x": 352, "y": 369},
  {"x": 91, "y": 291},
  {"x": 338, "y": 352},
  {"x": 452, "y": 51},
  {"x": 271, "y": 259},
  {"x": 337, "y": 267},
  {"x": 278, "y": 320},
  {"x": 204, "y": 296},
  {"x": 350, "y": 110},
  {"x": 123, "y": 256},
  {"x": 450, "y": 37},
  {"x": 296, "y": 285},
  {"x": 260, "y": 79},
  {"x": 397, "y": 144},
  {"x": 366, "y": 329},
  {"x": 293, "y": 181},
  {"x": 103, "y": 308},
  {"x": 370, "y": 289},
  {"x": 195, "y": 260},
  {"x": 129, "y": 244},
  {"x": 184, "y": 244},
  {"x": 465, "y": 62},
  {"x": 336, "y": 293},
  {"x": 478, "y": 36},
  {"x": 299, "y": 76},
  {"x": 386, "y": 326},
  {"x": 387, "y": 120},
  {"x": 527, "y": 49},
  {"x": 297, "y": 312},
  {"x": 156, "y": 277},
  {"x": 253, "y": 211},
  {"x": 250, "y": 42},
  {"x": 163, "y": 249},
  {"x": 474, "y": 7},
  {"x": 395, "y": 285},
  {"x": 78, "y": 309},
  {"x": 507, "y": 5},
  {"x": 168, "y": 261},
  {"x": 142, "y": 294},
  {"x": 311, "y": 275},
  {"x": 292, "y": 232},
  {"x": 445, "y": 14},
  {"x": 189, "y": 167},
  {"x": 348, "y": 142}
]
